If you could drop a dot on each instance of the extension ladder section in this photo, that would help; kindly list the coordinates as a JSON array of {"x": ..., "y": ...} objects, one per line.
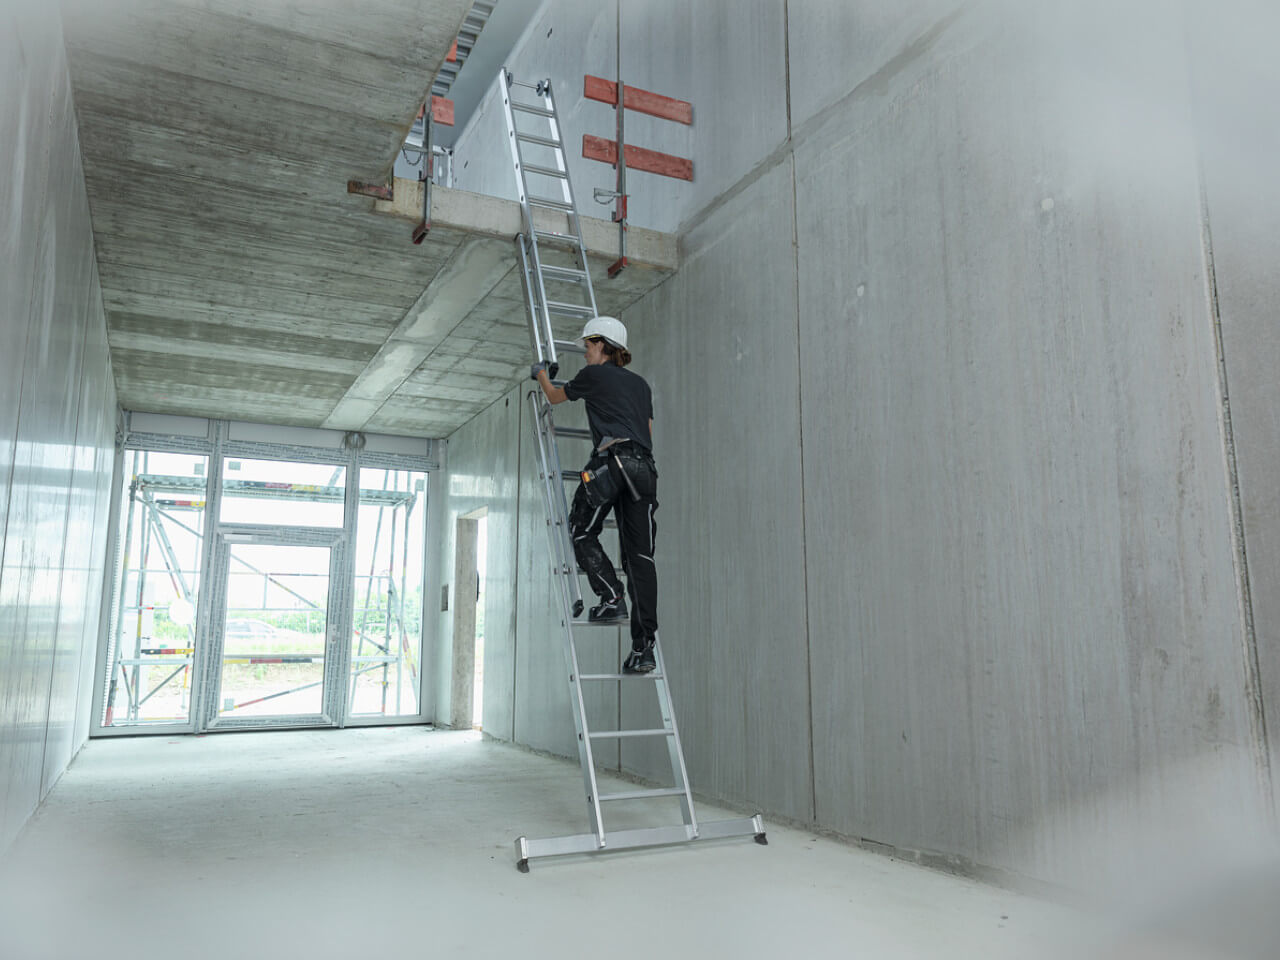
[{"x": 542, "y": 179}]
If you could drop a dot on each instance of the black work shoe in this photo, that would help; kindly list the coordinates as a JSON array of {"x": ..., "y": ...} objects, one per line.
[
  {"x": 609, "y": 611},
  {"x": 640, "y": 661}
]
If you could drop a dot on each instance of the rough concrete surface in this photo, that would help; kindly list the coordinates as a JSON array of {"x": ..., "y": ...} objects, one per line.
[
  {"x": 1022, "y": 597},
  {"x": 240, "y": 279},
  {"x": 387, "y": 842}
]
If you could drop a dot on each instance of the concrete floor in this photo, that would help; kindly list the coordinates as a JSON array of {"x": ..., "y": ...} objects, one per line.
[{"x": 398, "y": 841}]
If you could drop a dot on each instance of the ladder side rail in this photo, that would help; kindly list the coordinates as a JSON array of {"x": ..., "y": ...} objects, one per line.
[
  {"x": 535, "y": 328},
  {"x": 568, "y": 576},
  {"x": 562, "y": 161},
  {"x": 544, "y": 311},
  {"x": 560, "y": 509},
  {"x": 674, "y": 747},
  {"x": 563, "y": 563},
  {"x": 567, "y": 188},
  {"x": 522, "y": 187}
]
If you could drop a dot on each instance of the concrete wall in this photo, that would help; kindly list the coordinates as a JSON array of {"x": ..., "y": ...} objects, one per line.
[
  {"x": 1242, "y": 206},
  {"x": 57, "y": 401},
  {"x": 479, "y": 472},
  {"x": 491, "y": 465},
  {"x": 950, "y": 557}
]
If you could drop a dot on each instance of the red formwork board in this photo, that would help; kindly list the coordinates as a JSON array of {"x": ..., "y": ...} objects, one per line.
[
  {"x": 642, "y": 101},
  {"x": 441, "y": 111},
  {"x": 638, "y": 158}
]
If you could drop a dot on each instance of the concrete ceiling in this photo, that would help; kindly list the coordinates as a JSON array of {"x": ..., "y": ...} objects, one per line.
[{"x": 240, "y": 279}]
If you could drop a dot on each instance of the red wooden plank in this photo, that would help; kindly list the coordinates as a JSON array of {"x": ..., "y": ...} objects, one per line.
[
  {"x": 453, "y": 53},
  {"x": 379, "y": 191},
  {"x": 638, "y": 158},
  {"x": 598, "y": 88},
  {"x": 442, "y": 111},
  {"x": 642, "y": 101}
]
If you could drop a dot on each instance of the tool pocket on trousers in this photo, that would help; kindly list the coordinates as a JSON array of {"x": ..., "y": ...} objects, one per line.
[{"x": 599, "y": 486}]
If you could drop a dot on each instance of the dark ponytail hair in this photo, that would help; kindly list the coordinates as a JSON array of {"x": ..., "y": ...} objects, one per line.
[{"x": 619, "y": 356}]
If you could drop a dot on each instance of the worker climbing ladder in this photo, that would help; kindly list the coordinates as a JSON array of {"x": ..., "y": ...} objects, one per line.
[{"x": 558, "y": 291}]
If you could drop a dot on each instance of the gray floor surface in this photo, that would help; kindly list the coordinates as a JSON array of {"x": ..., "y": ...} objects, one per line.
[{"x": 397, "y": 842}]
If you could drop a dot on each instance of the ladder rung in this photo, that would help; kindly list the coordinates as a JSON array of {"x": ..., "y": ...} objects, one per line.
[
  {"x": 530, "y": 108},
  {"x": 643, "y": 794},
  {"x": 567, "y": 238},
  {"x": 599, "y": 623},
  {"x": 544, "y": 171},
  {"x": 573, "y": 433},
  {"x": 513, "y": 82},
  {"x": 563, "y": 273},
  {"x": 628, "y": 734},
  {"x": 621, "y": 676},
  {"x": 534, "y": 138},
  {"x": 571, "y": 309},
  {"x": 553, "y": 204}
]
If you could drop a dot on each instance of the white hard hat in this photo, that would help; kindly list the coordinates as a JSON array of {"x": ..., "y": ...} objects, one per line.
[{"x": 609, "y": 329}]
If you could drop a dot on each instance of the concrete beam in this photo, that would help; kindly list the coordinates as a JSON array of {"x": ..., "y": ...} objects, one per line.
[
  {"x": 470, "y": 274},
  {"x": 496, "y": 217}
]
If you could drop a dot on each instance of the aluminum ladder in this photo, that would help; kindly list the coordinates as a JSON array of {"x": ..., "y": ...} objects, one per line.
[{"x": 538, "y": 158}]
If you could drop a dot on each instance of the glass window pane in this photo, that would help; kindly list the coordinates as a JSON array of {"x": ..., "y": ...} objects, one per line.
[
  {"x": 152, "y": 638},
  {"x": 386, "y": 639},
  {"x": 278, "y": 492},
  {"x": 274, "y": 636}
]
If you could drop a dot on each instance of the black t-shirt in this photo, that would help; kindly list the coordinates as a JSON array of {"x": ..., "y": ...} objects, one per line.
[{"x": 619, "y": 402}]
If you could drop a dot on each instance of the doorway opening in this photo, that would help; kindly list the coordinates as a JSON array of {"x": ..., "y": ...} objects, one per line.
[
  {"x": 477, "y": 682},
  {"x": 466, "y": 686}
]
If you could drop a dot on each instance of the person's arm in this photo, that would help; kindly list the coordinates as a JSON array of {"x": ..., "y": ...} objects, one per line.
[{"x": 554, "y": 394}]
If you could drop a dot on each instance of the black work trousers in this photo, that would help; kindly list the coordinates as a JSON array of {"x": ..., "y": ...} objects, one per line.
[{"x": 637, "y": 532}]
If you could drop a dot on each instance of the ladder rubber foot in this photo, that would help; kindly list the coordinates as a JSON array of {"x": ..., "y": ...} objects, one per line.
[
  {"x": 523, "y": 865},
  {"x": 760, "y": 839}
]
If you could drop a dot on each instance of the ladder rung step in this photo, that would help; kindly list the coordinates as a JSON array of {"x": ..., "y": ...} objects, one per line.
[
  {"x": 571, "y": 309},
  {"x": 553, "y": 204},
  {"x": 628, "y": 734},
  {"x": 544, "y": 171},
  {"x": 563, "y": 273},
  {"x": 530, "y": 108},
  {"x": 621, "y": 676},
  {"x": 598, "y": 623},
  {"x": 534, "y": 138},
  {"x": 557, "y": 237},
  {"x": 573, "y": 433},
  {"x": 569, "y": 346},
  {"x": 643, "y": 794}
]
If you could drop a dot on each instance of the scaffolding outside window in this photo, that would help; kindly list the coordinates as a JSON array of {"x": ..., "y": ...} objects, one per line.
[
  {"x": 282, "y": 493},
  {"x": 266, "y": 648},
  {"x": 152, "y": 640},
  {"x": 387, "y": 623}
]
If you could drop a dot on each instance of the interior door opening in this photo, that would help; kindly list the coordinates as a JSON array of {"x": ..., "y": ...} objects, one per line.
[{"x": 477, "y": 683}]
